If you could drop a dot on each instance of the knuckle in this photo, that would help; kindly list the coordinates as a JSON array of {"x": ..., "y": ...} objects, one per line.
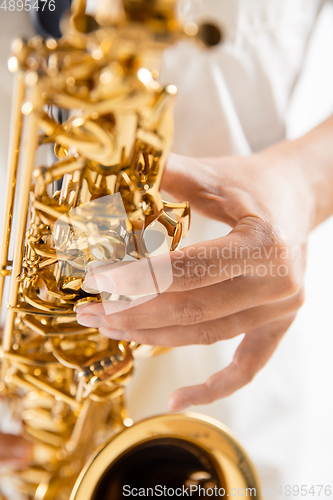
[
  {"x": 130, "y": 277},
  {"x": 275, "y": 246},
  {"x": 210, "y": 394},
  {"x": 300, "y": 298},
  {"x": 134, "y": 282},
  {"x": 266, "y": 234},
  {"x": 247, "y": 376},
  {"x": 247, "y": 371},
  {"x": 194, "y": 273},
  {"x": 189, "y": 313},
  {"x": 207, "y": 336},
  {"x": 283, "y": 260},
  {"x": 127, "y": 323},
  {"x": 291, "y": 284}
]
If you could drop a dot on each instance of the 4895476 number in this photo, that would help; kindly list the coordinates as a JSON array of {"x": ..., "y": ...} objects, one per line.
[
  {"x": 19, "y": 5},
  {"x": 305, "y": 490}
]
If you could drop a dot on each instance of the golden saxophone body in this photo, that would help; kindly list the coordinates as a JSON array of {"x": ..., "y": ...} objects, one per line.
[{"x": 93, "y": 96}]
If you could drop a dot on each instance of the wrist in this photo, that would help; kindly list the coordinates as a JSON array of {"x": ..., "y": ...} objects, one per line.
[
  {"x": 313, "y": 153},
  {"x": 293, "y": 180}
]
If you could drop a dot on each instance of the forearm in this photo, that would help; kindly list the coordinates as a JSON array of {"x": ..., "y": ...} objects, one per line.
[{"x": 313, "y": 157}]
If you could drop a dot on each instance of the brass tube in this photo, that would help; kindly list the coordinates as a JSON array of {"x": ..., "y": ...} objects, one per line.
[
  {"x": 13, "y": 158},
  {"x": 30, "y": 141}
]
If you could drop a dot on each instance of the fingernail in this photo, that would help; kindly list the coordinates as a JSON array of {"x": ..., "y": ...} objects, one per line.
[
  {"x": 78, "y": 308},
  {"x": 115, "y": 334},
  {"x": 91, "y": 320},
  {"x": 99, "y": 282}
]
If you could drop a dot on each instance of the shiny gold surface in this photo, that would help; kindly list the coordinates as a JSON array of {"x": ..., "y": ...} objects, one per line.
[
  {"x": 93, "y": 96},
  {"x": 234, "y": 468}
]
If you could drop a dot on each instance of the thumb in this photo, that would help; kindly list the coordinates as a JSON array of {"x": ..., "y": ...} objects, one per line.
[
  {"x": 181, "y": 177},
  {"x": 196, "y": 180}
]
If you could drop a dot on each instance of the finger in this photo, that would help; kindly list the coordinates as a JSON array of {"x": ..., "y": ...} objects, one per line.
[
  {"x": 197, "y": 266},
  {"x": 107, "y": 307},
  {"x": 199, "y": 182},
  {"x": 209, "y": 332},
  {"x": 252, "y": 249},
  {"x": 252, "y": 354},
  {"x": 187, "y": 185},
  {"x": 14, "y": 448},
  {"x": 182, "y": 309}
]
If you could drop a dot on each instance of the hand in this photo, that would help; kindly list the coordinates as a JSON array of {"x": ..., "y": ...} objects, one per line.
[
  {"x": 14, "y": 450},
  {"x": 250, "y": 281}
]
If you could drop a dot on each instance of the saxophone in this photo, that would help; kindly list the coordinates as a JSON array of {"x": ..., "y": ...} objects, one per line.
[{"x": 94, "y": 98}]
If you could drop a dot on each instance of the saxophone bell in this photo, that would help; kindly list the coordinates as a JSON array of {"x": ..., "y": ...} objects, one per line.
[{"x": 170, "y": 456}]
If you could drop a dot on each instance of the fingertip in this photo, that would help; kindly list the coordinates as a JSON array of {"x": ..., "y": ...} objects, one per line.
[
  {"x": 81, "y": 309},
  {"x": 175, "y": 404},
  {"x": 99, "y": 282},
  {"x": 92, "y": 321}
]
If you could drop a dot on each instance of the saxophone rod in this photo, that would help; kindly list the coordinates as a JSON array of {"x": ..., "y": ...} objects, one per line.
[
  {"x": 13, "y": 159},
  {"x": 78, "y": 7},
  {"x": 30, "y": 141}
]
